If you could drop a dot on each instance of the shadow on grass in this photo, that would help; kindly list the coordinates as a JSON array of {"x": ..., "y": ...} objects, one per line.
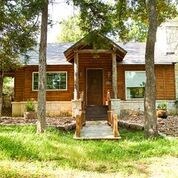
[
  {"x": 17, "y": 128},
  {"x": 100, "y": 156},
  {"x": 15, "y": 150},
  {"x": 133, "y": 146}
]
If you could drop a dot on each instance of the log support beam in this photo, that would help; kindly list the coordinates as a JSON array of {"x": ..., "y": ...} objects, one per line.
[
  {"x": 114, "y": 75},
  {"x": 78, "y": 126},
  {"x": 115, "y": 125},
  {"x": 76, "y": 80}
]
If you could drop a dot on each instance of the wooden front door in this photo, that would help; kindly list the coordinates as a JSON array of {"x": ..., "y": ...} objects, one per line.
[{"x": 94, "y": 87}]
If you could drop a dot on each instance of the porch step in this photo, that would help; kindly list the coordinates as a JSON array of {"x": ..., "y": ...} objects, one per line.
[{"x": 94, "y": 113}]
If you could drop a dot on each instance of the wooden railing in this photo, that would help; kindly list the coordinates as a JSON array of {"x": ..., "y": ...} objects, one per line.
[
  {"x": 80, "y": 119},
  {"x": 80, "y": 122},
  {"x": 115, "y": 125},
  {"x": 113, "y": 122},
  {"x": 112, "y": 118}
]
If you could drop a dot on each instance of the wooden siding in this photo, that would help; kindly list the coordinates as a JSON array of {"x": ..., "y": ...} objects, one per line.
[
  {"x": 94, "y": 61},
  {"x": 19, "y": 84},
  {"x": 165, "y": 80},
  {"x": 23, "y": 84}
]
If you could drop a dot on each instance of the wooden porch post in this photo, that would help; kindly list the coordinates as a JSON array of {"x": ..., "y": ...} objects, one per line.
[
  {"x": 76, "y": 80},
  {"x": 114, "y": 75}
]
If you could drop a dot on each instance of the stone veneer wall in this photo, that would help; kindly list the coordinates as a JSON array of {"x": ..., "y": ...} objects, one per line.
[
  {"x": 53, "y": 108},
  {"x": 65, "y": 108},
  {"x": 139, "y": 105}
]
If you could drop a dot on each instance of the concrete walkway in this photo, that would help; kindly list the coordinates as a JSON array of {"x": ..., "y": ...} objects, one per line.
[{"x": 96, "y": 130}]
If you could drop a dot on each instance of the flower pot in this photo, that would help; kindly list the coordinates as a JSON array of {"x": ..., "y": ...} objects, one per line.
[
  {"x": 30, "y": 115},
  {"x": 162, "y": 113}
]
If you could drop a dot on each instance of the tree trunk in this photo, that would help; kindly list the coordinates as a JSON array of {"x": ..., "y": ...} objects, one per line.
[
  {"x": 1, "y": 90},
  {"x": 150, "y": 88},
  {"x": 41, "y": 112}
]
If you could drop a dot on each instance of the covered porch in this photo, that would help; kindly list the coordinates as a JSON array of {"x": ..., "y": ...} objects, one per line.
[{"x": 95, "y": 95}]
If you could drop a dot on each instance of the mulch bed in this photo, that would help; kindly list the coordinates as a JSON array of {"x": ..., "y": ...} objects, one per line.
[
  {"x": 62, "y": 123},
  {"x": 134, "y": 121},
  {"x": 168, "y": 126}
]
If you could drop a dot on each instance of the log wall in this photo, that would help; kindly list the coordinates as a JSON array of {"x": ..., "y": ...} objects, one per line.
[
  {"x": 165, "y": 79},
  {"x": 23, "y": 84}
]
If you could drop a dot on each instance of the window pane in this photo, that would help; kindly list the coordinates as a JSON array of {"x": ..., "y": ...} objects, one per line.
[
  {"x": 54, "y": 81},
  {"x": 35, "y": 81},
  {"x": 62, "y": 81},
  {"x": 135, "y": 92},
  {"x": 135, "y": 84}
]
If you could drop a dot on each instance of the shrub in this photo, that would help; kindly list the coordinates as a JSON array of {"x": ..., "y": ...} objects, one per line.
[
  {"x": 30, "y": 106},
  {"x": 162, "y": 105}
]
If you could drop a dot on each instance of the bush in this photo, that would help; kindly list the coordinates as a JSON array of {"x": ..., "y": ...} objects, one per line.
[
  {"x": 30, "y": 106},
  {"x": 162, "y": 105}
]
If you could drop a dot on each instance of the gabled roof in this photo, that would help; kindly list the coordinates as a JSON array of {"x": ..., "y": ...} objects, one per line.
[
  {"x": 105, "y": 43},
  {"x": 135, "y": 54}
]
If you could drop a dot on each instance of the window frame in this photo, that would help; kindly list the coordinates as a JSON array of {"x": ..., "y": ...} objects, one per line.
[
  {"x": 56, "y": 72},
  {"x": 138, "y": 71}
]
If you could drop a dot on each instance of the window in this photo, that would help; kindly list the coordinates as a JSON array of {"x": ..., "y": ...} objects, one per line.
[
  {"x": 135, "y": 84},
  {"x": 54, "y": 81}
]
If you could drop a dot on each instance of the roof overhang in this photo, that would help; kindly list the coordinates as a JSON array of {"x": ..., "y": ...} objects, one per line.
[{"x": 83, "y": 46}]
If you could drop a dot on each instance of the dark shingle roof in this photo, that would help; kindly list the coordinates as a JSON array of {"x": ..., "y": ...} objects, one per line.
[
  {"x": 55, "y": 54},
  {"x": 135, "y": 54}
]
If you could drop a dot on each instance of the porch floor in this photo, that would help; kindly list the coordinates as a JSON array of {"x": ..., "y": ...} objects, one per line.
[{"x": 96, "y": 130}]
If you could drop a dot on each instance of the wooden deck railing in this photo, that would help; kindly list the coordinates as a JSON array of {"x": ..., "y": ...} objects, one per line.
[
  {"x": 80, "y": 119},
  {"x": 80, "y": 122},
  {"x": 115, "y": 125},
  {"x": 112, "y": 118},
  {"x": 113, "y": 122}
]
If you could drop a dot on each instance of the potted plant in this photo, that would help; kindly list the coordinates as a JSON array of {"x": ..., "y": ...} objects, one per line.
[
  {"x": 30, "y": 110},
  {"x": 162, "y": 110}
]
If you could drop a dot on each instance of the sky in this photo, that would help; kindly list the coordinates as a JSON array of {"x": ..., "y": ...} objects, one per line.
[{"x": 57, "y": 12}]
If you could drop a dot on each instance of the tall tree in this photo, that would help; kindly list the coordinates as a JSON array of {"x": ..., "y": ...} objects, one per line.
[
  {"x": 150, "y": 88},
  {"x": 41, "y": 113},
  {"x": 18, "y": 29}
]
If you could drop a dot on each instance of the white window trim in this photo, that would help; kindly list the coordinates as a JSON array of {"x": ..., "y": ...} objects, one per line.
[
  {"x": 140, "y": 99},
  {"x": 58, "y": 72}
]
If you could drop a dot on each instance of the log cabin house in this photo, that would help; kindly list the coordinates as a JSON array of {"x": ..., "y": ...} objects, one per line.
[{"x": 79, "y": 75}]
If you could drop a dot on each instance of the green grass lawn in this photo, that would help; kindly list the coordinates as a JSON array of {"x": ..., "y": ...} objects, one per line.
[{"x": 25, "y": 153}]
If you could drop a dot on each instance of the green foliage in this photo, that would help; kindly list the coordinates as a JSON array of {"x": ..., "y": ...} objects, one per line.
[
  {"x": 95, "y": 15},
  {"x": 126, "y": 20},
  {"x": 54, "y": 149},
  {"x": 162, "y": 105},
  {"x": 97, "y": 41},
  {"x": 30, "y": 105},
  {"x": 8, "y": 86},
  {"x": 18, "y": 30},
  {"x": 70, "y": 30},
  {"x": 138, "y": 31}
]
